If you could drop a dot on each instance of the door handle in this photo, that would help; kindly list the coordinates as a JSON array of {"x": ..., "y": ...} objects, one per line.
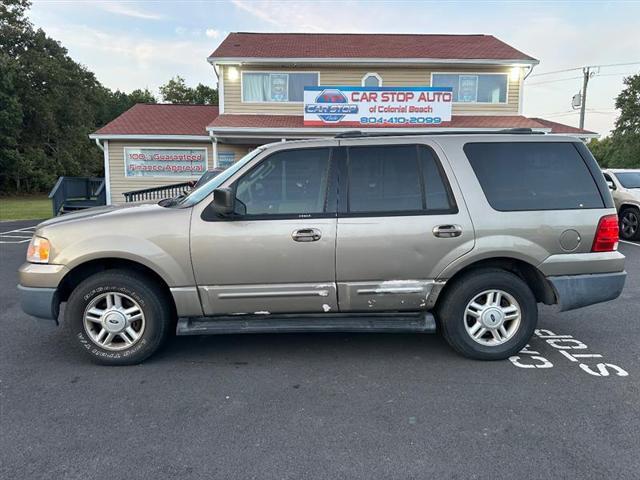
[
  {"x": 306, "y": 235},
  {"x": 447, "y": 231}
]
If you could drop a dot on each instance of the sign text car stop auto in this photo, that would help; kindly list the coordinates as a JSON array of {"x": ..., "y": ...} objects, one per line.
[{"x": 377, "y": 106}]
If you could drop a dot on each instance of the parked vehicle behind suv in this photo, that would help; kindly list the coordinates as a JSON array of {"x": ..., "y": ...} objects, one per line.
[
  {"x": 466, "y": 233},
  {"x": 625, "y": 189}
]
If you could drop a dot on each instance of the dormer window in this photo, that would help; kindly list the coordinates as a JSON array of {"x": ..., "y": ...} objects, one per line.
[{"x": 372, "y": 80}]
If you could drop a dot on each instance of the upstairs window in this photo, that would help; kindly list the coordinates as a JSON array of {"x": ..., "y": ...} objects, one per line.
[
  {"x": 372, "y": 80},
  {"x": 474, "y": 87},
  {"x": 276, "y": 87}
]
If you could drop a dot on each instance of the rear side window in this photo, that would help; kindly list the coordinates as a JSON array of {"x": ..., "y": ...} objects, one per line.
[
  {"x": 533, "y": 176},
  {"x": 395, "y": 180},
  {"x": 384, "y": 179}
]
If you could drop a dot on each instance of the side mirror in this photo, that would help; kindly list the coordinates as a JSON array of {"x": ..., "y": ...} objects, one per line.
[
  {"x": 224, "y": 201},
  {"x": 611, "y": 185}
]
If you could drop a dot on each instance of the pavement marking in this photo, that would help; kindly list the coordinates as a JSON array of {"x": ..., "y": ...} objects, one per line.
[
  {"x": 528, "y": 358},
  {"x": 23, "y": 230},
  {"x": 19, "y": 235},
  {"x": 17, "y": 241},
  {"x": 630, "y": 243}
]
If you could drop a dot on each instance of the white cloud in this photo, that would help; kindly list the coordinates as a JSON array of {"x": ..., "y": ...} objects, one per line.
[
  {"x": 317, "y": 17},
  {"x": 126, "y": 62},
  {"x": 129, "y": 11},
  {"x": 212, "y": 33},
  {"x": 257, "y": 11}
]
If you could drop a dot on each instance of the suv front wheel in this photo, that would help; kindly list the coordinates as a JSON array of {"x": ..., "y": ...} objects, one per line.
[
  {"x": 118, "y": 317},
  {"x": 488, "y": 314}
]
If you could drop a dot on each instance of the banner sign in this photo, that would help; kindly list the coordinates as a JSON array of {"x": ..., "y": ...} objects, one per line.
[
  {"x": 377, "y": 106},
  {"x": 165, "y": 162},
  {"x": 468, "y": 88}
]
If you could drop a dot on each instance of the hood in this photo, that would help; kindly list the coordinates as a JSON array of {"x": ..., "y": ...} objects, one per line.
[
  {"x": 112, "y": 211},
  {"x": 634, "y": 193}
]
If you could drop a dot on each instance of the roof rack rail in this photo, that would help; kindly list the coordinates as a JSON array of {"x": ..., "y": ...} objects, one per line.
[{"x": 390, "y": 132}]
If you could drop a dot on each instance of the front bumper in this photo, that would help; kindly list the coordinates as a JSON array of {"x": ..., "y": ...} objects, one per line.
[
  {"x": 576, "y": 291},
  {"x": 40, "y": 302}
]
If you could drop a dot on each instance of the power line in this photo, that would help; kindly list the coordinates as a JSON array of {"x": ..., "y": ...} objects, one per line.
[
  {"x": 552, "y": 81},
  {"x": 580, "y": 68},
  {"x": 574, "y": 78}
]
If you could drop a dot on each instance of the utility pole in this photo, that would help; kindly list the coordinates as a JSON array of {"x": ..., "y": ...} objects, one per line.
[{"x": 583, "y": 103}]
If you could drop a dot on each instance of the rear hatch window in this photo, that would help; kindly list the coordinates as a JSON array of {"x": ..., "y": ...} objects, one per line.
[{"x": 523, "y": 176}]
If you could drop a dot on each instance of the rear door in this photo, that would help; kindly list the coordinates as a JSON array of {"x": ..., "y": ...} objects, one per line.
[{"x": 401, "y": 220}]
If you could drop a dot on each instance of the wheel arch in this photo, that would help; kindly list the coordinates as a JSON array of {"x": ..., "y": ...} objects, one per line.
[
  {"x": 534, "y": 278},
  {"x": 84, "y": 270},
  {"x": 628, "y": 205}
]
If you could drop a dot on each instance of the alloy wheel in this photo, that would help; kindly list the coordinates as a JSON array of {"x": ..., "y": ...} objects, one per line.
[
  {"x": 114, "y": 321},
  {"x": 629, "y": 224},
  {"x": 492, "y": 317}
]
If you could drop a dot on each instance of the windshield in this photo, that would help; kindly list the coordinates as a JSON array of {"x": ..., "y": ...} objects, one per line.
[
  {"x": 204, "y": 190},
  {"x": 629, "y": 179}
]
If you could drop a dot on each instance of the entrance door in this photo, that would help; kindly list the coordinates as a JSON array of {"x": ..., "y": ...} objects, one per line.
[
  {"x": 399, "y": 224},
  {"x": 277, "y": 254}
]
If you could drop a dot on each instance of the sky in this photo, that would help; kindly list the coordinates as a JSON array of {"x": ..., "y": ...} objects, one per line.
[{"x": 137, "y": 44}]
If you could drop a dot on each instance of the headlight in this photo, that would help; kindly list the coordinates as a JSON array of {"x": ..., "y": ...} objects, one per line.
[{"x": 38, "y": 251}]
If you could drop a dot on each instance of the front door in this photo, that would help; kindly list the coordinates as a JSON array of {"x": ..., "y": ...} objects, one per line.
[
  {"x": 401, "y": 221},
  {"x": 277, "y": 254}
]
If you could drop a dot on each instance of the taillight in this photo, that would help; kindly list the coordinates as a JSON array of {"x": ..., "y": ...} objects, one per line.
[{"x": 607, "y": 235}]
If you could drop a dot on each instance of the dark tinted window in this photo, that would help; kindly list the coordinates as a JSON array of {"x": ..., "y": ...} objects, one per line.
[
  {"x": 289, "y": 182},
  {"x": 436, "y": 193},
  {"x": 533, "y": 176},
  {"x": 384, "y": 179},
  {"x": 403, "y": 178}
]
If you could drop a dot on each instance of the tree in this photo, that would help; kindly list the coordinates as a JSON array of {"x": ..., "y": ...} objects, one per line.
[
  {"x": 626, "y": 135},
  {"x": 49, "y": 104},
  {"x": 176, "y": 91},
  {"x": 622, "y": 148}
]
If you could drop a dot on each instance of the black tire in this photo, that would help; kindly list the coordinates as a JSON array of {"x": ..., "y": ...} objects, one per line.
[
  {"x": 151, "y": 300},
  {"x": 631, "y": 231},
  {"x": 451, "y": 313}
]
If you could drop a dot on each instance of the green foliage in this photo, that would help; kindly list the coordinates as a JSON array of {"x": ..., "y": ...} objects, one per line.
[
  {"x": 622, "y": 148},
  {"x": 176, "y": 91},
  {"x": 49, "y": 104}
]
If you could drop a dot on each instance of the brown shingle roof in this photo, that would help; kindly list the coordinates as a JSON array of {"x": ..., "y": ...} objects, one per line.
[
  {"x": 297, "y": 121},
  {"x": 162, "y": 119},
  {"x": 562, "y": 128},
  {"x": 393, "y": 46}
]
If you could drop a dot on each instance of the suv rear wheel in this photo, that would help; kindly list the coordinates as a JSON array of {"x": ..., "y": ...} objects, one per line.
[
  {"x": 118, "y": 317},
  {"x": 630, "y": 223},
  {"x": 488, "y": 314}
]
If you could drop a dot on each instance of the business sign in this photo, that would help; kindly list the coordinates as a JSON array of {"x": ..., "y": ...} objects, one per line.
[
  {"x": 165, "y": 162},
  {"x": 377, "y": 106}
]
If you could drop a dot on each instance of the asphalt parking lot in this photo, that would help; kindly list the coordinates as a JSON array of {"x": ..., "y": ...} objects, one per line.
[{"x": 324, "y": 405}]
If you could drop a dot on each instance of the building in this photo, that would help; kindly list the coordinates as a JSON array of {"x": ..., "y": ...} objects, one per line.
[{"x": 275, "y": 86}]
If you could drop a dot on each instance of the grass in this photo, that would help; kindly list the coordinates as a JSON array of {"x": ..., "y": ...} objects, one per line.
[{"x": 26, "y": 207}]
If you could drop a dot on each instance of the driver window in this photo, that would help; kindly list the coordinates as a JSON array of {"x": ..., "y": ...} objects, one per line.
[{"x": 287, "y": 182}]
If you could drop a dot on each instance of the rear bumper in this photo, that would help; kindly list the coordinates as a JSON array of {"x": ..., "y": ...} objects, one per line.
[
  {"x": 576, "y": 291},
  {"x": 39, "y": 302}
]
